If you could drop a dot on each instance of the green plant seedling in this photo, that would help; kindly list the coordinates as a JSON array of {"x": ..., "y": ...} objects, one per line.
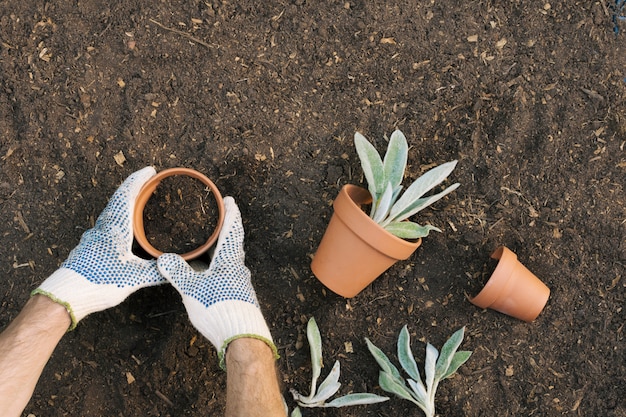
[
  {"x": 437, "y": 367},
  {"x": 330, "y": 385},
  {"x": 384, "y": 179},
  {"x": 296, "y": 412}
]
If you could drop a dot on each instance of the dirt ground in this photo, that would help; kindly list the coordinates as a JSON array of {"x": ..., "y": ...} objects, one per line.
[{"x": 264, "y": 98}]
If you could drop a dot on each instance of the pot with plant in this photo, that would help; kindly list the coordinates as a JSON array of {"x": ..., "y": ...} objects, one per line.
[{"x": 357, "y": 248}]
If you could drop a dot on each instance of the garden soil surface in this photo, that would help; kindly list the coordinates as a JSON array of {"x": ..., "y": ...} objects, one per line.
[{"x": 264, "y": 98}]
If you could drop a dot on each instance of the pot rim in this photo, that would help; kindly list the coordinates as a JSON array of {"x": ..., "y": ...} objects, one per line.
[
  {"x": 499, "y": 278},
  {"x": 352, "y": 215},
  {"x": 146, "y": 192}
]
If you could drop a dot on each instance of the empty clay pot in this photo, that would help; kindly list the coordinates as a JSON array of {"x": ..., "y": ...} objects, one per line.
[
  {"x": 512, "y": 288},
  {"x": 146, "y": 193},
  {"x": 355, "y": 250}
]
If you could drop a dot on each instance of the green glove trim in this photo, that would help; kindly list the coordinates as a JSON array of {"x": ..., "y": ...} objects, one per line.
[
  {"x": 67, "y": 306},
  {"x": 222, "y": 352}
]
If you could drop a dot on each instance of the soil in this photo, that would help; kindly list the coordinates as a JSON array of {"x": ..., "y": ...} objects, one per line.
[
  {"x": 264, "y": 98},
  {"x": 180, "y": 215}
]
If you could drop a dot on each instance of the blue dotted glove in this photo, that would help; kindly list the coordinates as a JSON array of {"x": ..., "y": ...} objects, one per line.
[
  {"x": 220, "y": 301},
  {"x": 102, "y": 270}
]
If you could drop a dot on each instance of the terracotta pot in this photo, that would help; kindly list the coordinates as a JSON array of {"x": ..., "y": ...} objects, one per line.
[
  {"x": 146, "y": 193},
  {"x": 513, "y": 289},
  {"x": 355, "y": 250}
]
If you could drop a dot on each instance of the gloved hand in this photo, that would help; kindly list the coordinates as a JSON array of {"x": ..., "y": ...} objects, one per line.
[
  {"x": 220, "y": 301},
  {"x": 102, "y": 271}
]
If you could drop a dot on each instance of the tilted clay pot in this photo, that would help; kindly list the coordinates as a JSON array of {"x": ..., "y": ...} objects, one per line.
[
  {"x": 355, "y": 250},
  {"x": 513, "y": 289},
  {"x": 146, "y": 193}
]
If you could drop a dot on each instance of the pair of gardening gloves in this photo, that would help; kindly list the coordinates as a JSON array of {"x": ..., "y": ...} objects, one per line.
[{"x": 102, "y": 271}]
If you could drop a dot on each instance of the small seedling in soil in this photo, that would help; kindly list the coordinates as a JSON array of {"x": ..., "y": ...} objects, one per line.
[
  {"x": 384, "y": 178},
  {"x": 330, "y": 386},
  {"x": 437, "y": 367}
]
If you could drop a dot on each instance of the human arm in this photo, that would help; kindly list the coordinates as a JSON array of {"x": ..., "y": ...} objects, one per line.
[
  {"x": 99, "y": 273},
  {"x": 25, "y": 347},
  {"x": 222, "y": 304},
  {"x": 252, "y": 388}
]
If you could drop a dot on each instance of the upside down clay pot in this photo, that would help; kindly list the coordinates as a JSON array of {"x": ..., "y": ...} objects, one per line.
[
  {"x": 145, "y": 194},
  {"x": 512, "y": 288},
  {"x": 355, "y": 250}
]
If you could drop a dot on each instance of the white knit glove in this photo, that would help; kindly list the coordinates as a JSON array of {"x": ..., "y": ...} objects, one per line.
[
  {"x": 220, "y": 301},
  {"x": 102, "y": 271}
]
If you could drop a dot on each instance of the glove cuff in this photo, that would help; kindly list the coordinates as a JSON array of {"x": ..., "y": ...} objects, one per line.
[
  {"x": 79, "y": 296},
  {"x": 224, "y": 322}
]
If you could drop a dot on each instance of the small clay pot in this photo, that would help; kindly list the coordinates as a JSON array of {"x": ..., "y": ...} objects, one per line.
[
  {"x": 513, "y": 289},
  {"x": 146, "y": 193},
  {"x": 355, "y": 250}
]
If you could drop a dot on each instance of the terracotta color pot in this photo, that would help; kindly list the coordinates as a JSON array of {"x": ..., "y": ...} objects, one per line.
[
  {"x": 146, "y": 193},
  {"x": 355, "y": 250},
  {"x": 513, "y": 289}
]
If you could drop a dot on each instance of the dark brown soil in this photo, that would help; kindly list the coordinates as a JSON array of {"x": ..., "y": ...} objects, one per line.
[
  {"x": 180, "y": 215},
  {"x": 264, "y": 98}
]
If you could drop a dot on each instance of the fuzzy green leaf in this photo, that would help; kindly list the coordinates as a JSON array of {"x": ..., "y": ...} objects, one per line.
[
  {"x": 405, "y": 356},
  {"x": 330, "y": 386},
  {"x": 383, "y": 205},
  {"x": 429, "y": 366},
  {"x": 396, "y": 194},
  {"x": 415, "y": 206},
  {"x": 372, "y": 166},
  {"x": 421, "y": 186},
  {"x": 315, "y": 344},
  {"x": 447, "y": 353},
  {"x": 419, "y": 391},
  {"x": 458, "y": 359},
  {"x": 422, "y": 399},
  {"x": 356, "y": 399},
  {"x": 390, "y": 384},
  {"x": 296, "y": 412},
  {"x": 395, "y": 159},
  {"x": 383, "y": 360},
  {"x": 409, "y": 230}
]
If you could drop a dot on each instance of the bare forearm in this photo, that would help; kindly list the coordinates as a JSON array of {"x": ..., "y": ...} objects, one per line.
[
  {"x": 252, "y": 384},
  {"x": 25, "y": 347}
]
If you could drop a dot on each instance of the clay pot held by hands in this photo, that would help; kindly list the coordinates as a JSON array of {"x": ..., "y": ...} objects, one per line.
[
  {"x": 355, "y": 250},
  {"x": 513, "y": 289},
  {"x": 146, "y": 193}
]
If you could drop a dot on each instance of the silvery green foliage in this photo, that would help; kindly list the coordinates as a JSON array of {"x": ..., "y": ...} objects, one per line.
[
  {"x": 330, "y": 386},
  {"x": 296, "y": 412},
  {"x": 384, "y": 178},
  {"x": 437, "y": 367}
]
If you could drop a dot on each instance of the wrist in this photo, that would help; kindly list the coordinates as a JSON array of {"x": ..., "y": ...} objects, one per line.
[
  {"x": 248, "y": 352},
  {"x": 79, "y": 295},
  {"x": 225, "y": 322},
  {"x": 50, "y": 313}
]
